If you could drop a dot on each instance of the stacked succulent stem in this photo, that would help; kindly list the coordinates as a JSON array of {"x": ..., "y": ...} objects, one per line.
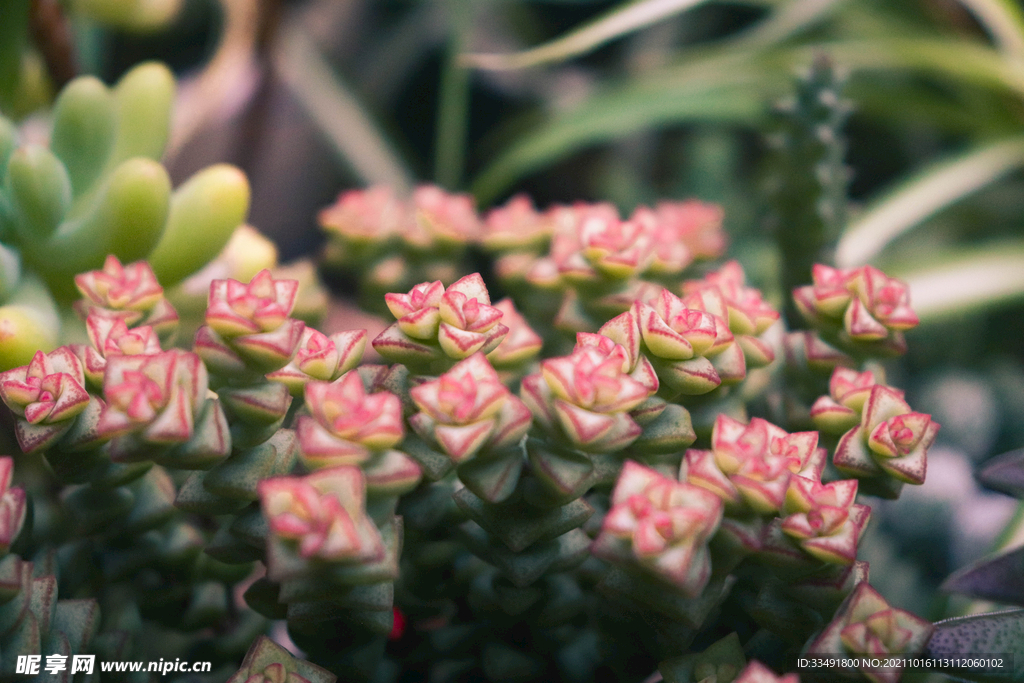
[
  {"x": 524, "y": 479},
  {"x": 807, "y": 186}
]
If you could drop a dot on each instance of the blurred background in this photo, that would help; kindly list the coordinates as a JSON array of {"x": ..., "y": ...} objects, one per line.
[{"x": 632, "y": 102}]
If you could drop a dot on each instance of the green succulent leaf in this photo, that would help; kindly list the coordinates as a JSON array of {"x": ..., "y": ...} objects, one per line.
[
  {"x": 144, "y": 98},
  {"x": 204, "y": 212},
  {"x": 127, "y": 220},
  {"x": 29, "y": 322},
  {"x": 84, "y": 130},
  {"x": 40, "y": 192}
]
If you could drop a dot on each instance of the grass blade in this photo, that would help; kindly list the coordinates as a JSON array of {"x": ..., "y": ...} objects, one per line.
[
  {"x": 926, "y": 194},
  {"x": 1004, "y": 21},
  {"x": 963, "y": 283},
  {"x": 618, "y": 22},
  {"x": 338, "y": 113}
]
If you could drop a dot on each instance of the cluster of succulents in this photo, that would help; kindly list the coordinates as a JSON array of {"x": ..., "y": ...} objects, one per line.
[
  {"x": 567, "y": 478},
  {"x": 98, "y": 189},
  {"x": 631, "y": 441}
]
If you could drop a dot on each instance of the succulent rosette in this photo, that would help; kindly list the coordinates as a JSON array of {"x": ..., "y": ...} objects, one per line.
[
  {"x": 111, "y": 337},
  {"x": 130, "y": 293},
  {"x": 440, "y": 218},
  {"x": 678, "y": 340},
  {"x": 349, "y": 426},
  {"x": 661, "y": 524},
  {"x": 46, "y": 396},
  {"x": 12, "y": 505},
  {"x": 322, "y": 515},
  {"x": 268, "y": 662},
  {"x": 620, "y": 338},
  {"x": 697, "y": 225},
  {"x": 433, "y": 322},
  {"x": 824, "y": 519},
  {"x": 516, "y": 227},
  {"x": 748, "y": 316},
  {"x": 275, "y": 673},
  {"x": 671, "y": 255},
  {"x": 866, "y": 624},
  {"x": 321, "y": 358},
  {"x": 682, "y": 232},
  {"x": 864, "y": 302},
  {"x": 151, "y": 400},
  {"x": 248, "y": 327},
  {"x": 750, "y": 466},
  {"x": 891, "y": 439},
  {"x": 617, "y": 249},
  {"x": 848, "y": 391},
  {"x": 588, "y": 395},
  {"x": 806, "y": 348},
  {"x": 363, "y": 217},
  {"x": 417, "y": 311},
  {"x": 568, "y": 244},
  {"x": 468, "y": 409}
]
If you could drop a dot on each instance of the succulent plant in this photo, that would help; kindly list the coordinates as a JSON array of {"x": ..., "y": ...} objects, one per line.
[
  {"x": 99, "y": 191},
  {"x": 516, "y": 485},
  {"x": 866, "y": 624},
  {"x": 665, "y": 524},
  {"x": 581, "y": 485}
]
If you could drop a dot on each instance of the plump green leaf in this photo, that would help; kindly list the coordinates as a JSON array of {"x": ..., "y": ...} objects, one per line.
[
  {"x": 28, "y": 323},
  {"x": 144, "y": 97},
  {"x": 39, "y": 191},
  {"x": 126, "y": 220},
  {"x": 204, "y": 212},
  {"x": 84, "y": 130}
]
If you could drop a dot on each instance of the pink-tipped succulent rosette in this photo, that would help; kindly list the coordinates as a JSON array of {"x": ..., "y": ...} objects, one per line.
[{"x": 662, "y": 525}]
